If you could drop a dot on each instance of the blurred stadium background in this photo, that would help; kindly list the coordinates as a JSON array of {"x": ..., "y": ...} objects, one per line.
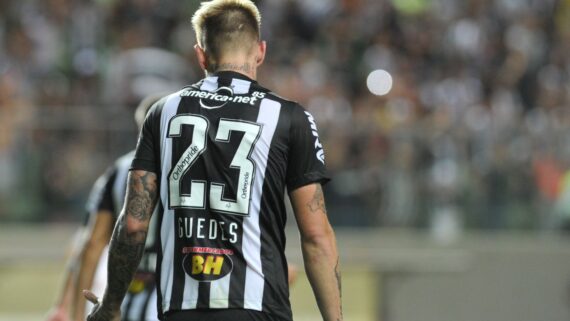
[{"x": 446, "y": 126}]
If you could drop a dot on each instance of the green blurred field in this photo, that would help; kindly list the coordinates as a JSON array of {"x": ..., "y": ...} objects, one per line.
[
  {"x": 472, "y": 279},
  {"x": 28, "y": 290}
]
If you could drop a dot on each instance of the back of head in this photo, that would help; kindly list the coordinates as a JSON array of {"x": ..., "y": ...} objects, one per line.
[
  {"x": 226, "y": 26},
  {"x": 144, "y": 107}
]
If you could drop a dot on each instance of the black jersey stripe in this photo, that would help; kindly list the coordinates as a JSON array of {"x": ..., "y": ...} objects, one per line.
[
  {"x": 203, "y": 295},
  {"x": 179, "y": 275},
  {"x": 276, "y": 292},
  {"x": 144, "y": 307},
  {"x": 224, "y": 82},
  {"x": 113, "y": 207},
  {"x": 159, "y": 295},
  {"x": 120, "y": 184}
]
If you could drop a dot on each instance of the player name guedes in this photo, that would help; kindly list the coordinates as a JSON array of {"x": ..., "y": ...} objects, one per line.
[{"x": 210, "y": 229}]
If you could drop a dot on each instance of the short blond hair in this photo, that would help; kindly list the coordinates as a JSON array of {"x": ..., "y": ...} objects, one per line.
[{"x": 225, "y": 24}]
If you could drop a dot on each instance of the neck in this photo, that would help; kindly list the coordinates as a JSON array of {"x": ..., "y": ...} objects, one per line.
[{"x": 245, "y": 68}]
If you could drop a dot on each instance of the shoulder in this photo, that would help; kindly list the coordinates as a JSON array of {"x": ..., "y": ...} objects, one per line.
[
  {"x": 292, "y": 109},
  {"x": 293, "y": 114},
  {"x": 285, "y": 103}
]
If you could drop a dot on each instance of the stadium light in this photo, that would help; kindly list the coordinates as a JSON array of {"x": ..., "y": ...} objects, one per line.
[{"x": 379, "y": 82}]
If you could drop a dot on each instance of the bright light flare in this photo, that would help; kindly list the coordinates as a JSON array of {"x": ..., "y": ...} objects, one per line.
[{"x": 379, "y": 82}]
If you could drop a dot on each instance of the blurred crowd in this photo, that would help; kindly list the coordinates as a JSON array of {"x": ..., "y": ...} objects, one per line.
[{"x": 471, "y": 135}]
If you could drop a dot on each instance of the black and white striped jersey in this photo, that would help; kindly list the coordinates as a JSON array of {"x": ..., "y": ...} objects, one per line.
[
  {"x": 108, "y": 194},
  {"x": 225, "y": 149}
]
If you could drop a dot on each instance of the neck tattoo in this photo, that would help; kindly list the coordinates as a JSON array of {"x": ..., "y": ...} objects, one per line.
[{"x": 245, "y": 68}]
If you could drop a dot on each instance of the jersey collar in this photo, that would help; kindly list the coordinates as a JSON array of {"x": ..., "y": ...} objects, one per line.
[{"x": 232, "y": 74}]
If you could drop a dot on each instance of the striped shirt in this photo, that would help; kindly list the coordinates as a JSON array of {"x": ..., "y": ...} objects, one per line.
[
  {"x": 225, "y": 149},
  {"x": 108, "y": 194}
]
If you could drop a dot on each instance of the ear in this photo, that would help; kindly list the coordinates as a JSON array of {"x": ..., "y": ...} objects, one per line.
[
  {"x": 261, "y": 49},
  {"x": 201, "y": 55}
]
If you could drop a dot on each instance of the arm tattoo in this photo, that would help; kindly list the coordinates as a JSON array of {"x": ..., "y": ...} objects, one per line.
[
  {"x": 141, "y": 195},
  {"x": 127, "y": 246},
  {"x": 338, "y": 282},
  {"x": 125, "y": 253},
  {"x": 317, "y": 203}
]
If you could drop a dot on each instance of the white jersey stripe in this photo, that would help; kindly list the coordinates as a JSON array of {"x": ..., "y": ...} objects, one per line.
[
  {"x": 209, "y": 84},
  {"x": 220, "y": 289},
  {"x": 151, "y": 307},
  {"x": 136, "y": 306},
  {"x": 167, "y": 241},
  {"x": 240, "y": 86},
  {"x": 251, "y": 244},
  {"x": 190, "y": 297}
]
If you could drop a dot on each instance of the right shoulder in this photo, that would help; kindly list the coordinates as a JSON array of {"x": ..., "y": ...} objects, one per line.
[
  {"x": 295, "y": 111},
  {"x": 285, "y": 102}
]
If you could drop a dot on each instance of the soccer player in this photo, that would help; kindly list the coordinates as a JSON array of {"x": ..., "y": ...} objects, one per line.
[
  {"x": 87, "y": 267},
  {"x": 217, "y": 158},
  {"x": 61, "y": 310},
  {"x": 105, "y": 203}
]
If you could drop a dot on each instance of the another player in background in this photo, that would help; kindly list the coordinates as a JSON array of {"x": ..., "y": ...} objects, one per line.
[
  {"x": 88, "y": 265},
  {"x": 218, "y": 156},
  {"x": 105, "y": 202},
  {"x": 62, "y": 308}
]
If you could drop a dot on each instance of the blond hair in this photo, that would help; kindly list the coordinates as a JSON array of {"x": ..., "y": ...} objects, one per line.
[{"x": 226, "y": 25}]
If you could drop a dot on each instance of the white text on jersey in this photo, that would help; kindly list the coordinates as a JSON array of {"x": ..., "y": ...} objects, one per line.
[
  {"x": 215, "y": 96},
  {"x": 320, "y": 153},
  {"x": 210, "y": 229}
]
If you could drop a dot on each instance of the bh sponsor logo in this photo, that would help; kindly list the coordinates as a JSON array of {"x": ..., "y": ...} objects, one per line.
[{"x": 207, "y": 264}]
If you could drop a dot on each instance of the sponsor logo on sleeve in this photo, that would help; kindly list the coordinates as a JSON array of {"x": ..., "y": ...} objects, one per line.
[{"x": 320, "y": 153}]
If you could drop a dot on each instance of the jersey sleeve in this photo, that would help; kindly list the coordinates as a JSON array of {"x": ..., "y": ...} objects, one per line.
[
  {"x": 148, "y": 145},
  {"x": 101, "y": 196},
  {"x": 306, "y": 163}
]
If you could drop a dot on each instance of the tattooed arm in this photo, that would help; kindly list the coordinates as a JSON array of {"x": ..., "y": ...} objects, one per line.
[
  {"x": 319, "y": 249},
  {"x": 127, "y": 243}
]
